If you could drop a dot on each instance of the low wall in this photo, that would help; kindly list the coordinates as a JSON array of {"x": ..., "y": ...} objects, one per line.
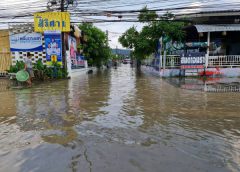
[
  {"x": 77, "y": 72},
  {"x": 225, "y": 72},
  {"x": 211, "y": 72},
  {"x": 162, "y": 73}
]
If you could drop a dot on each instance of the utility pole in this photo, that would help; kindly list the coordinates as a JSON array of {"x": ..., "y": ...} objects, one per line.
[
  {"x": 62, "y": 5},
  {"x": 63, "y": 45},
  {"x": 107, "y": 34}
]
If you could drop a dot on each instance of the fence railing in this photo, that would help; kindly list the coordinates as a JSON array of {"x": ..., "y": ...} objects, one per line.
[
  {"x": 174, "y": 61},
  {"x": 224, "y": 61}
]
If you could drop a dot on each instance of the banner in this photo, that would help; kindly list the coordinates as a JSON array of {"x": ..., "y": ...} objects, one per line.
[
  {"x": 72, "y": 43},
  {"x": 77, "y": 60},
  {"x": 193, "y": 61},
  {"x": 52, "y": 21},
  {"x": 26, "y": 42},
  {"x": 80, "y": 61},
  {"x": 196, "y": 44},
  {"x": 53, "y": 44}
]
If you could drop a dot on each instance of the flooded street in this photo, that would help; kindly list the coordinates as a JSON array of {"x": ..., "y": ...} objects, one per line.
[{"x": 118, "y": 121}]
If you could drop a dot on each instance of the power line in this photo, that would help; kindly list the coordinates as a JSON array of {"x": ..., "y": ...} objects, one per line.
[{"x": 128, "y": 15}]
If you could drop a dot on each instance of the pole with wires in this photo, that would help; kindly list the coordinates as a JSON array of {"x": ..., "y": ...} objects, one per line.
[
  {"x": 107, "y": 35},
  {"x": 63, "y": 44}
]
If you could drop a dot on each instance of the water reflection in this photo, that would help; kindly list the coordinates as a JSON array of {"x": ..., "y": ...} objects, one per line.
[
  {"x": 57, "y": 107},
  {"x": 202, "y": 125},
  {"x": 120, "y": 109},
  {"x": 7, "y": 103},
  {"x": 207, "y": 84},
  {"x": 105, "y": 118}
]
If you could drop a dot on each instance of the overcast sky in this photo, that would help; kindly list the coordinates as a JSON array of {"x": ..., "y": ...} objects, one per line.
[{"x": 10, "y": 8}]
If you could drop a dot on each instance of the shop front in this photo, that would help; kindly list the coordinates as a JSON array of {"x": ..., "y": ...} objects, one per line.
[
  {"x": 219, "y": 42},
  {"x": 208, "y": 50}
]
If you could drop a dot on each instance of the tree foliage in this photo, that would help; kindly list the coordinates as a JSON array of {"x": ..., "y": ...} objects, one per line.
[
  {"x": 144, "y": 42},
  {"x": 96, "y": 49},
  {"x": 146, "y": 15}
]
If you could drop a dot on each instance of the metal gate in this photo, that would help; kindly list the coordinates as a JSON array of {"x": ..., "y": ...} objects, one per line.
[
  {"x": 5, "y": 62},
  {"x": 5, "y": 55}
]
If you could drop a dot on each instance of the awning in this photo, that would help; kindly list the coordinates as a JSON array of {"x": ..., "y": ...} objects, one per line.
[
  {"x": 77, "y": 32},
  {"x": 218, "y": 28}
]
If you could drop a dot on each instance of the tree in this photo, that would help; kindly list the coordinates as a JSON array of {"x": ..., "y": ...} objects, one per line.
[
  {"x": 146, "y": 15},
  {"x": 144, "y": 43},
  {"x": 96, "y": 49}
]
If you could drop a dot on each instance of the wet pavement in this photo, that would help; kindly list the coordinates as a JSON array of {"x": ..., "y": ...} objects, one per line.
[{"x": 120, "y": 121}]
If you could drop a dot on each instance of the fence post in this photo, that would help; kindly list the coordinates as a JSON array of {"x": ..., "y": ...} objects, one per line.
[
  {"x": 164, "y": 59},
  {"x": 206, "y": 60},
  {"x": 161, "y": 61},
  {"x": 208, "y": 48}
]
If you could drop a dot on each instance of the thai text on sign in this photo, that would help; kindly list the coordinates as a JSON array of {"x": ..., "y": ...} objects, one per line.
[
  {"x": 25, "y": 42},
  {"x": 193, "y": 61},
  {"x": 52, "y": 21}
]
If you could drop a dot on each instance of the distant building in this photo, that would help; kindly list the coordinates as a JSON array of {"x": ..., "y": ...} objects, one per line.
[{"x": 123, "y": 52}]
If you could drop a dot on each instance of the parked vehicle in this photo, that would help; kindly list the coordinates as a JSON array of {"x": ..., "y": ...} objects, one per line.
[{"x": 126, "y": 61}]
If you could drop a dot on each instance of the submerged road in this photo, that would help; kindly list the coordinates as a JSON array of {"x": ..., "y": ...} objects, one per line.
[{"x": 118, "y": 121}]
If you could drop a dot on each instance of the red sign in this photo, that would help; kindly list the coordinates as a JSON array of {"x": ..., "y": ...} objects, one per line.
[{"x": 192, "y": 66}]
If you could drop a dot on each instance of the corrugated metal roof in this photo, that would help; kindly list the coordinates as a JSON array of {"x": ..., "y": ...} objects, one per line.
[
  {"x": 209, "y": 13},
  {"x": 218, "y": 28}
]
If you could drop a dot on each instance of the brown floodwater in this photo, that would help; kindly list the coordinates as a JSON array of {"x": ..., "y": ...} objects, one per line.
[{"x": 119, "y": 120}]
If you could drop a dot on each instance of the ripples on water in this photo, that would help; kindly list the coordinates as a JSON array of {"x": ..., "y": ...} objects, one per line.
[{"x": 95, "y": 121}]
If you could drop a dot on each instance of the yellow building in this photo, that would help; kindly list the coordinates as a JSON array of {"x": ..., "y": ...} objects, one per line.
[{"x": 5, "y": 57}]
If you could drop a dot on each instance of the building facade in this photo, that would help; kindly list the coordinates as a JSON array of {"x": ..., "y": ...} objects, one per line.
[
  {"x": 210, "y": 48},
  {"x": 21, "y": 39}
]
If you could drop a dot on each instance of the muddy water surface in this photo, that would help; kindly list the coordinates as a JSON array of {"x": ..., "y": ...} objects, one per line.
[{"x": 120, "y": 121}]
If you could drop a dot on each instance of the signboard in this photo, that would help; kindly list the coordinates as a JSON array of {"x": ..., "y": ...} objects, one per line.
[
  {"x": 76, "y": 59},
  {"x": 196, "y": 44},
  {"x": 53, "y": 44},
  {"x": 193, "y": 61},
  {"x": 72, "y": 43},
  {"x": 80, "y": 61},
  {"x": 52, "y": 21},
  {"x": 26, "y": 42}
]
